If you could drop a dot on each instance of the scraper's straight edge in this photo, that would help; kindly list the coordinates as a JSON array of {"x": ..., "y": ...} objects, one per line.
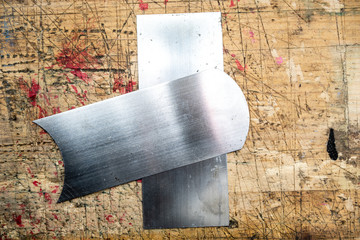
[
  {"x": 172, "y": 46},
  {"x": 106, "y": 144}
]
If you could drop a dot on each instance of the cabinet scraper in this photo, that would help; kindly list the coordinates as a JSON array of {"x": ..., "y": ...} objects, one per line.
[{"x": 146, "y": 132}]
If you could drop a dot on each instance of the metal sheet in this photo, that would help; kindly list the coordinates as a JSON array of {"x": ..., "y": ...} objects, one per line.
[
  {"x": 192, "y": 196},
  {"x": 148, "y": 131},
  {"x": 172, "y": 46}
]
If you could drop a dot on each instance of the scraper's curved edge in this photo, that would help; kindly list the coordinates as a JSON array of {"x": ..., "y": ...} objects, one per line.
[
  {"x": 231, "y": 81},
  {"x": 247, "y": 117},
  {"x": 247, "y": 111},
  {"x": 66, "y": 189}
]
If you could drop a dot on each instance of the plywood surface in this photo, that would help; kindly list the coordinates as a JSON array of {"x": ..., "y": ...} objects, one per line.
[{"x": 298, "y": 63}]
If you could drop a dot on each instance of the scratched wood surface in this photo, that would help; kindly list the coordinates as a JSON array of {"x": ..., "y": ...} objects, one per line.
[{"x": 298, "y": 63}]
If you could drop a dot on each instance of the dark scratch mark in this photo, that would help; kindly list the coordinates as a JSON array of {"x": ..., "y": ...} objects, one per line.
[{"x": 297, "y": 13}]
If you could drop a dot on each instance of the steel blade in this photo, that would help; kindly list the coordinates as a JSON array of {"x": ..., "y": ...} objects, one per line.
[
  {"x": 172, "y": 46},
  {"x": 148, "y": 131}
]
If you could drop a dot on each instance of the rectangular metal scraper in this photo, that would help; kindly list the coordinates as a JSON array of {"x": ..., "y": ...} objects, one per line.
[{"x": 171, "y": 46}]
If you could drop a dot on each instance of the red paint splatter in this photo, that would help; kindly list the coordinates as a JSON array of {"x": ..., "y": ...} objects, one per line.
[
  {"x": 68, "y": 79},
  {"x": 117, "y": 85},
  {"x": 108, "y": 218},
  {"x": 232, "y": 4},
  {"x": 84, "y": 95},
  {"x": 37, "y": 221},
  {"x": 31, "y": 91},
  {"x": 121, "y": 86},
  {"x": 75, "y": 89},
  {"x": 22, "y": 207},
  {"x": 18, "y": 220},
  {"x": 143, "y": 6},
  {"x": 48, "y": 197},
  {"x": 233, "y": 55},
  {"x": 43, "y": 132},
  {"x": 42, "y": 112},
  {"x": 55, "y": 216},
  {"x": 83, "y": 76},
  {"x": 36, "y": 183},
  {"x": 56, "y": 189},
  {"x": 29, "y": 171},
  {"x": 60, "y": 163},
  {"x": 76, "y": 57},
  {"x": 139, "y": 180},
  {"x": 40, "y": 193},
  {"x": 121, "y": 219},
  {"x": 56, "y": 174},
  {"x": 239, "y": 66},
  {"x": 166, "y": 1},
  {"x": 46, "y": 98},
  {"x": 130, "y": 224},
  {"x": 56, "y": 110},
  {"x": 279, "y": 60},
  {"x": 252, "y": 36},
  {"x": 130, "y": 86}
]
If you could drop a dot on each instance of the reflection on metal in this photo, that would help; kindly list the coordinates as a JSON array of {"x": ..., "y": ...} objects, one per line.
[
  {"x": 148, "y": 131},
  {"x": 172, "y": 46},
  {"x": 192, "y": 196}
]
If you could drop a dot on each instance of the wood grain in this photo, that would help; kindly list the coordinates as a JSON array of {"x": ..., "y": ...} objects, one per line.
[{"x": 298, "y": 63}]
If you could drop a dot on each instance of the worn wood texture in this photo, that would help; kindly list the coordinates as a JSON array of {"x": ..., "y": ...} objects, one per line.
[{"x": 298, "y": 63}]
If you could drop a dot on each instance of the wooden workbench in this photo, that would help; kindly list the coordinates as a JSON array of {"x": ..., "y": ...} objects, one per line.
[{"x": 298, "y": 63}]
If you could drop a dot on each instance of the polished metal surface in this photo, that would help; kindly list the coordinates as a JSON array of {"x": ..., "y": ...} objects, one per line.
[
  {"x": 149, "y": 131},
  {"x": 172, "y": 46},
  {"x": 192, "y": 196}
]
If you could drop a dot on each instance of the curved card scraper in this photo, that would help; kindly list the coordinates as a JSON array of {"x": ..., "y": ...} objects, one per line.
[
  {"x": 171, "y": 46},
  {"x": 148, "y": 131}
]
